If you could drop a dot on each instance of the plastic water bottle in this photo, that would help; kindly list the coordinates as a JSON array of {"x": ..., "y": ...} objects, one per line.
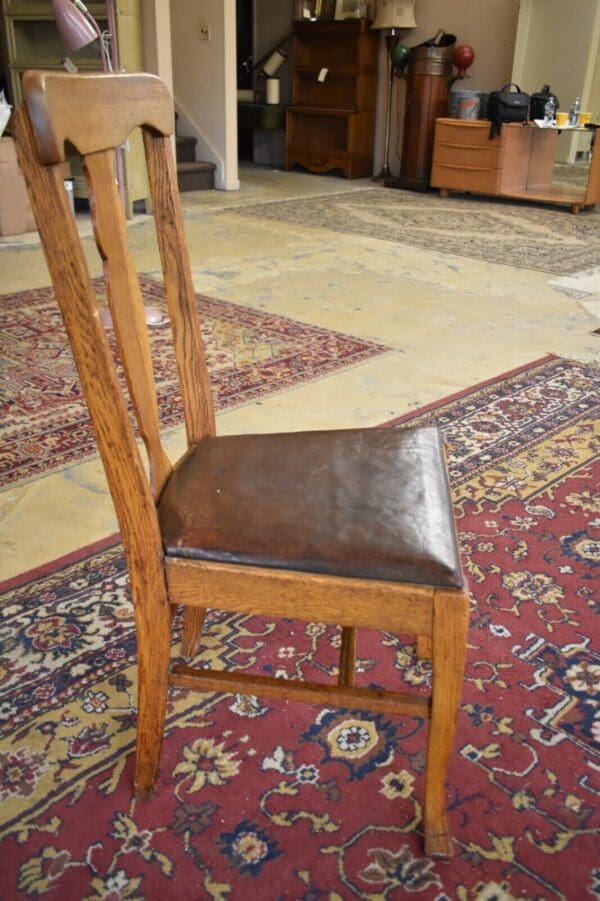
[
  {"x": 574, "y": 110},
  {"x": 549, "y": 111}
]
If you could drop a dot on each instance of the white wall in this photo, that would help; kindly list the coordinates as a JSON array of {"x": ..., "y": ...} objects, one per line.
[
  {"x": 558, "y": 46},
  {"x": 156, "y": 28},
  {"x": 489, "y": 26},
  {"x": 204, "y": 79}
]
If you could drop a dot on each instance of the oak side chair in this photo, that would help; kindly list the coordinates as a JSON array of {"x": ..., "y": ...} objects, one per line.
[{"x": 351, "y": 527}]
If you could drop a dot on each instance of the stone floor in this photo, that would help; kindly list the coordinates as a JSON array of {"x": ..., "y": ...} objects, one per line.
[{"x": 451, "y": 322}]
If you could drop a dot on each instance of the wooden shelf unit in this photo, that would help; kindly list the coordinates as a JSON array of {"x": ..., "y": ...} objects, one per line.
[
  {"x": 331, "y": 122},
  {"x": 31, "y": 41},
  {"x": 518, "y": 163}
]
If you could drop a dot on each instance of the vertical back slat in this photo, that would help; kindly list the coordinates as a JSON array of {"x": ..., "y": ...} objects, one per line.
[
  {"x": 181, "y": 298},
  {"x": 126, "y": 306}
]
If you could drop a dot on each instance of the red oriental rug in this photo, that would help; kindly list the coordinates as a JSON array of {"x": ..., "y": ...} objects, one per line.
[
  {"x": 250, "y": 354},
  {"x": 273, "y": 800}
]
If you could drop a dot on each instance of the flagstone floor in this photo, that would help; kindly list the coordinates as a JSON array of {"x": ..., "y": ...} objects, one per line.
[{"x": 451, "y": 321}]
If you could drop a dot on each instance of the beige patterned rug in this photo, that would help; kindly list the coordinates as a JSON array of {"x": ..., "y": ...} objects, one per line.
[{"x": 525, "y": 235}]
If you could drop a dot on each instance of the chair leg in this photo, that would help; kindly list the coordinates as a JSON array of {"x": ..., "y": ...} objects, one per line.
[
  {"x": 347, "y": 656},
  {"x": 193, "y": 617},
  {"x": 153, "y": 628},
  {"x": 450, "y": 624},
  {"x": 424, "y": 648}
]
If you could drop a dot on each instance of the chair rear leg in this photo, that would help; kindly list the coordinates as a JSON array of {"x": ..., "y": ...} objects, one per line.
[
  {"x": 450, "y": 624},
  {"x": 154, "y": 653},
  {"x": 193, "y": 617},
  {"x": 347, "y": 674},
  {"x": 424, "y": 647}
]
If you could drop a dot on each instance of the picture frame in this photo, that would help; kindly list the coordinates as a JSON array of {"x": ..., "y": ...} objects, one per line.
[
  {"x": 351, "y": 9},
  {"x": 326, "y": 9}
]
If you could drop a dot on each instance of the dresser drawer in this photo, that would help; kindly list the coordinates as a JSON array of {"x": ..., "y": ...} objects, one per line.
[
  {"x": 477, "y": 155},
  {"x": 464, "y": 178},
  {"x": 463, "y": 131}
]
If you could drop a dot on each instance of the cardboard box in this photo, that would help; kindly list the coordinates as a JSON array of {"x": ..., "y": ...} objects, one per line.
[{"x": 16, "y": 216}]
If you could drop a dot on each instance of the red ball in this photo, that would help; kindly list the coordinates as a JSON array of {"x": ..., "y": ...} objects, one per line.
[{"x": 463, "y": 57}]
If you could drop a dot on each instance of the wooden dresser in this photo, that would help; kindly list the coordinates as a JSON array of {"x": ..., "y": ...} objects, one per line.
[
  {"x": 331, "y": 123},
  {"x": 518, "y": 163}
]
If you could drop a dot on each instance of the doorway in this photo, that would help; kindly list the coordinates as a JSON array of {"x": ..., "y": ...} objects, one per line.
[{"x": 261, "y": 28}]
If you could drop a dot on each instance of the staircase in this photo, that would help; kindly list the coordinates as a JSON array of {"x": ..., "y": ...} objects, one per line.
[{"x": 192, "y": 175}]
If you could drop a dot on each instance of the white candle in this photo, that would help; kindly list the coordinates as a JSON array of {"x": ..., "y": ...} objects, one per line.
[{"x": 272, "y": 90}]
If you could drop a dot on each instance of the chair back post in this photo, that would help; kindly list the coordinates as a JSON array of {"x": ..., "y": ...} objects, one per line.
[
  {"x": 55, "y": 105},
  {"x": 96, "y": 113},
  {"x": 76, "y": 298}
]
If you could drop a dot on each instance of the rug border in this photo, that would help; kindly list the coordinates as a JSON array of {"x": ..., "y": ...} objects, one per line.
[
  {"x": 78, "y": 554},
  {"x": 510, "y": 373},
  {"x": 58, "y": 563}
]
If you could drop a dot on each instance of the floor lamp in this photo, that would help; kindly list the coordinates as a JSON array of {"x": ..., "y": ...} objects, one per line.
[
  {"x": 390, "y": 16},
  {"x": 78, "y": 28}
]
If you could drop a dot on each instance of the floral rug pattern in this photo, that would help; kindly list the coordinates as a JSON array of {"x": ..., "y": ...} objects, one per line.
[
  {"x": 250, "y": 354},
  {"x": 524, "y": 235},
  {"x": 274, "y": 799}
]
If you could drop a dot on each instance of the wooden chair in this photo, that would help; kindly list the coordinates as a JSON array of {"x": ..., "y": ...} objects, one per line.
[{"x": 348, "y": 527}]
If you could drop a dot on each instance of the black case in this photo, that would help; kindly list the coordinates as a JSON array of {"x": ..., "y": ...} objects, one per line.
[
  {"x": 507, "y": 106},
  {"x": 538, "y": 102}
]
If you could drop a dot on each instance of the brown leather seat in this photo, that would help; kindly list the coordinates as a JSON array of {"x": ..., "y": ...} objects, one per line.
[{"x": 362, "y": 503}]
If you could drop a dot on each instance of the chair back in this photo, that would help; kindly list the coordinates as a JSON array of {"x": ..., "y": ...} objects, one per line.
[{"x": 96, "y": 114}]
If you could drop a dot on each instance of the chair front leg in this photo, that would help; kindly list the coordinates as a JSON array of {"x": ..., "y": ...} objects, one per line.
[{"x": 450, "y": 625}]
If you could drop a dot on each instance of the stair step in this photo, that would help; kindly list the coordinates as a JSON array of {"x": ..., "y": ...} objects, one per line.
[
  {"x": 197, "y": 176},
  {"x": 186, "y": 148}
]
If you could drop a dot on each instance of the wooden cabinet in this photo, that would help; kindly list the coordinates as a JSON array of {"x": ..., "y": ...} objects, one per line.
[
  {"x": 31, "y": 41},
  {"x": 429, "y": 69},
  {"x": 518, "y": 163},
  {"x": 331, "y": 122}
]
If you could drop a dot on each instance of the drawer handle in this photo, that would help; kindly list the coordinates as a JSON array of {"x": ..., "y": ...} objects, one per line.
[
  {"x": 467, "y": 168},
  {"x": 467, "y": 146}
]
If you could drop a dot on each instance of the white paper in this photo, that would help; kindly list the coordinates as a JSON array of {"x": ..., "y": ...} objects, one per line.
[{"x": 5, "y": 111}]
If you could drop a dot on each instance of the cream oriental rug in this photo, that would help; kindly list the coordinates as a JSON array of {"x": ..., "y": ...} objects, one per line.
[{"x": 525, "y": 235}]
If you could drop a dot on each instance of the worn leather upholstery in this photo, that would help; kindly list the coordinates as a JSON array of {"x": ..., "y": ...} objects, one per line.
[{"x": 366, "y": 503}]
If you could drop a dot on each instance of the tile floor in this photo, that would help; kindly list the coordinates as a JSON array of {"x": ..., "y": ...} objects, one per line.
[{"x": 451, "y": 322}]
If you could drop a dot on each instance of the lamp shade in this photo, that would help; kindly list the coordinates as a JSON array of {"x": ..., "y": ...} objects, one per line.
[
  {"x": 395, "y": 14},
  {"x": 74, "y": 29}
]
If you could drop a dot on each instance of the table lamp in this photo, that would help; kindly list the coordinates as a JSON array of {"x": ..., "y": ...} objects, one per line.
[
  {"x": 392, "y": 15},
  {"x": 78, "y": 28}
]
